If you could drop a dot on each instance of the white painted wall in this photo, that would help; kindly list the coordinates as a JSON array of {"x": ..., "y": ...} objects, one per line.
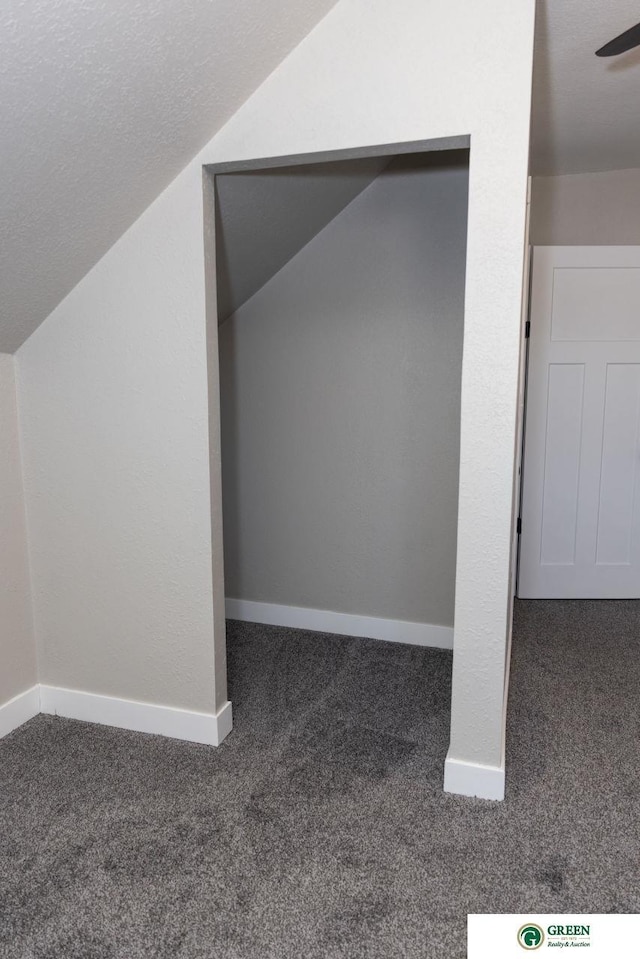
[
  {"x": 340, "y": 384},
  {"x": 113, "y": 391},
  {"x": 18, "y": 671},
  {"x": 586, "y": 209},
  {"x": 114, "y": 382}
]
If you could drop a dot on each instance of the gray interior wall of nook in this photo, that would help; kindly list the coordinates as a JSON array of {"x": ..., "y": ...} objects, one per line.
[{"x": 340, "y": 389}]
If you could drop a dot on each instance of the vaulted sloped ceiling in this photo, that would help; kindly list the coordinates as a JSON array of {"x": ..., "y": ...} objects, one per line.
[{"x": 102, "y": 103}]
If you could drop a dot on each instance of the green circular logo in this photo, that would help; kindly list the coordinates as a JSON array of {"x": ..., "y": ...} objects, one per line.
[{"x": 530, "y": 936}]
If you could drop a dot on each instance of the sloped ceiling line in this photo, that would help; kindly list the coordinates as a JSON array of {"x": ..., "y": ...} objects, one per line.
[
  {"x": 102, "y": 104},
  {"x": 264, "y": 218}
]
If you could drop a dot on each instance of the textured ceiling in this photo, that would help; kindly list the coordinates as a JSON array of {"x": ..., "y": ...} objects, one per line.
[
  {"x": 586, "y": 110},
  {"x": 265, "y": 218},
  {"x": 102, "y": 102}
]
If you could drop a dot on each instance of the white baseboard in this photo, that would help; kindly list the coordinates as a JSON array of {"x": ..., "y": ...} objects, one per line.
[
  {"x": 19, "y": 710},
  {"x": 207, "y": 728},
  {"x": 346, "y": 624},
  {"x": 473, "y": 779}
]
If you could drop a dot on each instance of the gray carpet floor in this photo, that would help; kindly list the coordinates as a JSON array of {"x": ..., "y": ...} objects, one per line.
[{"x": 319, "y": 829}]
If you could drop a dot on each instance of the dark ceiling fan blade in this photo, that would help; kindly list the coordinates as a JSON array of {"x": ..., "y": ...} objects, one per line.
[{"x": 626, "y": 41}]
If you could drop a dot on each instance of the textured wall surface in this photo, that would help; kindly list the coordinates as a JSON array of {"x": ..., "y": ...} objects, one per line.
[
  {"x": 341, "y": 409},
  {"x": 113, "y": 394},
  {"x": 118, "y": 371},
  {"x": 588, "y": 209},
  {"x": 17, "y": 646},
  {"x": 103, "y": 103}
]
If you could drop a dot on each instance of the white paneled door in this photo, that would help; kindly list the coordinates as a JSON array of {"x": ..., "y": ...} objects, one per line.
[{"x": 581, "y": 481}]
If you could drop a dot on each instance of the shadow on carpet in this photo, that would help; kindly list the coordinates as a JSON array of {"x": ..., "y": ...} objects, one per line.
[{"x": 319, "y": 829}]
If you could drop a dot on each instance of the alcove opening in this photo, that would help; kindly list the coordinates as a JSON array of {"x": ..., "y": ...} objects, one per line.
[{"x": 340, "y": 302}]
